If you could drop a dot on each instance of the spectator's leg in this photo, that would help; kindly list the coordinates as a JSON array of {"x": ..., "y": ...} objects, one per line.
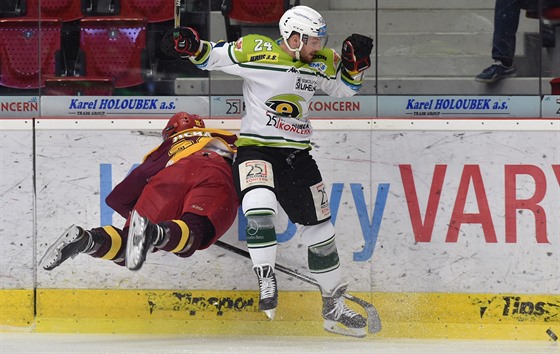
[
  {"x": 548, "y": 36},
  {"x": 506, "y": 23}
]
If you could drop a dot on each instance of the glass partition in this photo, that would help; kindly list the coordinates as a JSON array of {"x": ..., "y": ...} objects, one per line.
[
  {"x": 421, "y": 48},
  {"x": 446, "y": 47}
]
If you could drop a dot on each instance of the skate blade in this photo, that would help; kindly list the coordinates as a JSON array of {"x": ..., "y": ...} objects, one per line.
[
  {"x": 53, "y": 255},
  {"x": 137, "y": 228},
  {"x": 335, "y": 327},
  {"x": 270, "y": 313}
]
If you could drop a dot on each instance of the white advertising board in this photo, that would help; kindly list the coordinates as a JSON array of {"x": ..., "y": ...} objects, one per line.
[
  {"x": 415, "y": 211},
  {"x": 124, "y": 107},
  {"x": 551, "y": 107},
  {"x": 17, "y": 236},
  {"x": 19, "y": 106},
  {"x": 326, "y": 113},
  {"x": 320, "y": 107},
  {"x": 474, "y": 208},
  {"x": 419, "y": 107},
  {"x": 91, "y": 107}
]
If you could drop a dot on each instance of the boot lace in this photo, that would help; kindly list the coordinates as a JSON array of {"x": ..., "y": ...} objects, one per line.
[
  {"x": 340, "y": 309},
  {"x": 267, "y": 282}
]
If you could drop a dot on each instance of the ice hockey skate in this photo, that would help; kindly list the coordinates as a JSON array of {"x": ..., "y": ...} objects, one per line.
[
  {"x": 142, "y": 236},
  {"x": 339, "y": 318},
  {"x": 268, "y": 296},
  {"x": 72, "y": 242}
]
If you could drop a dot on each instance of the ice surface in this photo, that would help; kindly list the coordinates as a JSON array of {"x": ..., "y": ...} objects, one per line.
[{"x": 19, "y": 343}]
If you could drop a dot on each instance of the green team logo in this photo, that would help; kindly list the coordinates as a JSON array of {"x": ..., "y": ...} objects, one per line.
[{"x": 287, "y": 105}]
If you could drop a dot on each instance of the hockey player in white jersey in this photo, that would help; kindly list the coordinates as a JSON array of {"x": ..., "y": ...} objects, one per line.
[{"x": 273, "y": 163}]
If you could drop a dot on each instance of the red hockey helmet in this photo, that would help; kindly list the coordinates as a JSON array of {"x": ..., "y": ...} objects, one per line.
[{"x": 181, "y": 121}]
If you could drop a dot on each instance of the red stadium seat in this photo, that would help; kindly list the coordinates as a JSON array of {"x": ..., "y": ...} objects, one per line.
[
  {"x": 79, "y": 86},
  {"x": 552, "y": 14},
  {"x": 550, "y": 20},
  {"x": 22, "y": 64},
  {"x": 114, "y": 47},
  {"x": 555, "y": 85},
  {"x": 241, "y": 14},
  {"x": 151, "y": 10},
  {"x": 67, "y": 10}
]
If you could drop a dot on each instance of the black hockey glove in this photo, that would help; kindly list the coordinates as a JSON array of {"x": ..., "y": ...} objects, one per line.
[
  {"x": 355, "y": 53},
  {"x": 180, "y": 42}
]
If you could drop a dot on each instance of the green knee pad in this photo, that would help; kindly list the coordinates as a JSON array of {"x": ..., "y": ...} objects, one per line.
[
  {"x": 323, "y": 257},
  {"x": 260, "y": 231}
]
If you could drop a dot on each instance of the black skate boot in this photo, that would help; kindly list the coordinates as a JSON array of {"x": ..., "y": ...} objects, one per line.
[
  {"x": 142, "y": 236},
  {"x": 72, "y": 242},
  {"x": 339, "y": 318},
  {"x": 268, "y": 296}
]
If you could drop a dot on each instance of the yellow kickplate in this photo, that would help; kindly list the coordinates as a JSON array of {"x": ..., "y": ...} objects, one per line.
[
  {"x": 213, "y": 312},
  {"x": 17, "y": 307}
]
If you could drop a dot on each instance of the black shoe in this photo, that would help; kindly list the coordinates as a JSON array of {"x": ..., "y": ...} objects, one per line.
[
  {"x": 496, "y": 72},
  {"x": 72, "y": 242}
]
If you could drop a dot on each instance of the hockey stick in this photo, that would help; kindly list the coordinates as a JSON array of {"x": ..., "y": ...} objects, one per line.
[
  {"x": 373, "y": 320},
  {"x": 177, "y": 13}
]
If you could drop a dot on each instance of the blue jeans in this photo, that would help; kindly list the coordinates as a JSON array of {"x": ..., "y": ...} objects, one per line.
[{"x": 506, "y": 22}]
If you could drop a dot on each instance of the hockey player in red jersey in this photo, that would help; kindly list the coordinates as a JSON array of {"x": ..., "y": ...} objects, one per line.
[
  {"x": 273, "y": 164},
  {"x": 180, "y": 199}
]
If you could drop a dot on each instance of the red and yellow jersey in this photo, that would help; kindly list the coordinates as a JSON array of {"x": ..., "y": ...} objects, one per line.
[
  {"x": 189, "y": 141},
  {"x": 179, "y": 146}
]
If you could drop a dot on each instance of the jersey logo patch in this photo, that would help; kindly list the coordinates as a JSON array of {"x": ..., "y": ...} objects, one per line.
[
  {"x": 270, "y": 57},
  {"x": 322, "y": 67},
  {"x": 321, "y": 200},
  {"x": 286, "y": 105},
  {"x": 239, "y": 44},
  {"x": 255, "y": 173},
  {"x": 303, "y": 84},
  {"x": 320, "y": 56}
]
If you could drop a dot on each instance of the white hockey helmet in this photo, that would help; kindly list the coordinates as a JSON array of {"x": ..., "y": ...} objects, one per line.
[{"x": 305, "y": 21}]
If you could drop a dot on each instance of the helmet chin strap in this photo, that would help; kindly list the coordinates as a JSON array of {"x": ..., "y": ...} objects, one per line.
[{"x": 297, "y": 50}]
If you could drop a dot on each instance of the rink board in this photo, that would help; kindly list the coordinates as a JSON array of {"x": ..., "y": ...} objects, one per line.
[
  {"x": 17, "y": 307},
  {"x": 385, "y": 177},
  {"x": 403, "y": 315}
]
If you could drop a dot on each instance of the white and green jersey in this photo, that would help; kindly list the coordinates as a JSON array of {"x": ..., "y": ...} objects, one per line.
[{"x": 277, "y": 88}]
